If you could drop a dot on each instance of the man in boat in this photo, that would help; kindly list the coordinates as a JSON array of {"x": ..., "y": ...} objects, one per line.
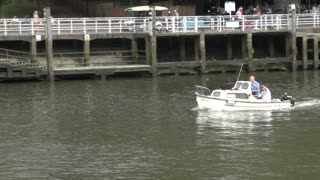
[
  {"x": 265, "y": 94},
  {"x": 255, "y": 87}
]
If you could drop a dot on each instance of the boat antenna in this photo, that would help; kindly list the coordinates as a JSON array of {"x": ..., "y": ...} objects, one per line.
[{"x": 239, "y": 72}]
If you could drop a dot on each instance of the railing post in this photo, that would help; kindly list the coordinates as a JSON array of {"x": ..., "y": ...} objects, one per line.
[
  {"x": 5, "y": 27},
  {"x": 196, "y": 24},
  {"x": 134, "y": 25},
  {"x": 59, "y": 28},
  {"x": 277, "y": 20},
  {"x": 109, "y": 22},
  {"x": 32, "y": 27},
  {"x": 144, "y": 25},
  {"x": 173, "y": 24},
  {"x": 212, "y": 23},
  {"x": 266, "y": 22},
  {"x": 20, "y": 30},
  {"x": 314, "y": 21},
  {"x": 96, "y": 25},
  {"x": 243, "y": 23},
  {"x": 84, "y": 26},
  {"x": 120, "y": 25},
  {"x": 185, "y": 24},
  {"x": 220, "y": 23},
  {"x": 71, "y": 26}
]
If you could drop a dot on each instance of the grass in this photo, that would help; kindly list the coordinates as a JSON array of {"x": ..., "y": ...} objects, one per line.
[{"x": 19, "y": 8}]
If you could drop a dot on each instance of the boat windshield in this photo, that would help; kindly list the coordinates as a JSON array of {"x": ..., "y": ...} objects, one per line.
[
  {"x": 238, "y": 85},
  {"x": 242, "y": 85}
]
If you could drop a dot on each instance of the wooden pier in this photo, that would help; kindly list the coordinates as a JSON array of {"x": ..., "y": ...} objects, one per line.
[{"x": 165, "y": 45}]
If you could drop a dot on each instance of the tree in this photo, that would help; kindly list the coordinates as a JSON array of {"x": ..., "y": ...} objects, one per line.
[{"x": 2, "y": 3}]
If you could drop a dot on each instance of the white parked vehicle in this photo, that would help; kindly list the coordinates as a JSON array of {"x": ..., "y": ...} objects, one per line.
[{"x": 239, "y": 97}]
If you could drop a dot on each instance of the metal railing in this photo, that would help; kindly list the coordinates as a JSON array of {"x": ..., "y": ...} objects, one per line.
[
  {"x": 172, "y": 24},
  {"x": 14, "y": 54},
  {"x": 308, "y": 21}
]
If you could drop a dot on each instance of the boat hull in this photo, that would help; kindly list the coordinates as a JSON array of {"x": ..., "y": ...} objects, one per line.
[{"x": 210, "y": 103}]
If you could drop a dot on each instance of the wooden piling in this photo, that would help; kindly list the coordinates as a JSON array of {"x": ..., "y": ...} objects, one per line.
[
  {"x": 49, "y": 48},
  {"x": 182, "y": 47},
  {"x": 305, "y": 51},
  {"x": 250, "y": 51},
  {"x": 154, "y": 44},
  {"x": 147, "y": 49},
  {"x": 294, "y": 40},
  {"x": 202, "y": 42},
  {"x": 33, "y": 50},
  {"x": 316, "y": 52},
  {"x": 134, "y": 49},
  {"x": 86, "y": 50}
]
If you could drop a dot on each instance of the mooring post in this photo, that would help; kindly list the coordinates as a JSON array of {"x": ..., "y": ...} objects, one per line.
[
  {"x": 49, "y": 44},
  {"x": 182, "y": 47},
  {"x": 154, "y": 44},
  {"x": 196, "y": 49},
  {"x": 203, "y": 57},
  {"x": 86, "y": 50},
  {"x": 33, "y": 50},
  {"x": 229, "y": 47},
  {"x": 134, "y": 49},
  {"x": 250, "y": 51},
  {"x": 294, "y": 39},
  {"x": 316, "y": 52},
  {"x": 147, "y": 49},
  {"x": 305, "y": 51}
]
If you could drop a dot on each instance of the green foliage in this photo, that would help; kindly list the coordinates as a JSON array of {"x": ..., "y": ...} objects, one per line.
[{"x": 4, "y": 2}]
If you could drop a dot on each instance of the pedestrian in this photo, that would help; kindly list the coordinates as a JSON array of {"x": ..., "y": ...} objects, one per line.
[
  {"x": 175, "y": 13},
  {"x": 36, "y": 20},
  {"x": 239, "y": 13}
]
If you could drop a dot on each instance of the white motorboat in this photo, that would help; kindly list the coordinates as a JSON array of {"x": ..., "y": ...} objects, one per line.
[{"x": 239, "y": 97}]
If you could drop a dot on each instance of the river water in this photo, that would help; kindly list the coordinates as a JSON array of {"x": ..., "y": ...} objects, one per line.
[{"x": 145, "y": 128}]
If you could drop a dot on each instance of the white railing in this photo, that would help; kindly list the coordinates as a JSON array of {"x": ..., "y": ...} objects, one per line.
[
  {"x": 308, "y": 21},
  {"x": 170, "y": 24},
  {"x": 222, "y": 23}
]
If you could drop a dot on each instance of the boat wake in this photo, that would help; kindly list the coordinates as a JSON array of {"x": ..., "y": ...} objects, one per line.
[{"x": 307, "y": 103}]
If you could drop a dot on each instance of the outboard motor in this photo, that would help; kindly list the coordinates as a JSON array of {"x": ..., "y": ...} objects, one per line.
[{"x": 285, "y": 97}]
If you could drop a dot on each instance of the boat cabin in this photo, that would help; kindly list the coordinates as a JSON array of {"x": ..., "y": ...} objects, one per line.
[{"x": 240, "y": 91}]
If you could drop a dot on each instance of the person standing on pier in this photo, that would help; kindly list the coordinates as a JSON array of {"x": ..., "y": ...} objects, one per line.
[
  {"x": 36, "y": 20},
  {"x": 175, "y": 13},
  {"x": 239, "y": 13}
]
